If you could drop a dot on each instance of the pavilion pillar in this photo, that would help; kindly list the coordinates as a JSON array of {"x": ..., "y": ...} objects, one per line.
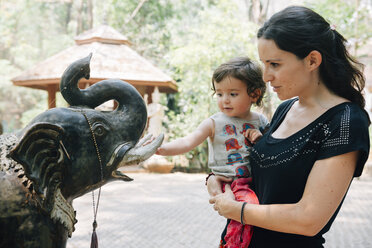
[
  {"x": 52, "y": 96},
  {"x": 149, "y": 91}
]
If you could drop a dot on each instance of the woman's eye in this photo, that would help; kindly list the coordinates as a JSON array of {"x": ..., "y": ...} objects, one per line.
[{"x": 274, "y": 65}]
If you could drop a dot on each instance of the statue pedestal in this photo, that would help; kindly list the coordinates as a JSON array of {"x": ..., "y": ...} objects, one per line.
[{"x": 158, "y": 164}]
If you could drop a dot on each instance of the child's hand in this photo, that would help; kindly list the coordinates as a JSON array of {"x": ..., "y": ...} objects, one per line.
[
  {"x": 253, "y": 135},
  {"x": 149, "y": 140},
  {"x": 160, "y": 151},
  {"x": 214, "y": 184}
]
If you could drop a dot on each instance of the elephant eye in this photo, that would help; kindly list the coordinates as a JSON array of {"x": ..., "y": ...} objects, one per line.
[{"x": 99, "y": 130}]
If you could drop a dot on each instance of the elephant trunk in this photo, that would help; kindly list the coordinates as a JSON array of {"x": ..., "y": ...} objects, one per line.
[
  {"x": 70, "y": 78},
  {"x": 130, "y": 102}
]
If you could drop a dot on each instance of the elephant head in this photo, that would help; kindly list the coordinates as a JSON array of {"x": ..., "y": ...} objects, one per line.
[{"x": 67, "y": 152}]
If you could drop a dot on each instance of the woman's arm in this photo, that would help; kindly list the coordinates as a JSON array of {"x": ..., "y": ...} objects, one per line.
[
  {"x": 189, "y": 142},
  {"x": 326, "y": 186}
]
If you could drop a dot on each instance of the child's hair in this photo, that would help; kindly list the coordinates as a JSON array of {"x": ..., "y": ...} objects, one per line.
[
  {"x": 247, "y": 71},
  {"x": 300, "y": 30}
]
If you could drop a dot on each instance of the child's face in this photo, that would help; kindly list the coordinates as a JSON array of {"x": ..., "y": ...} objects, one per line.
[{"x": 232, "y": 98}]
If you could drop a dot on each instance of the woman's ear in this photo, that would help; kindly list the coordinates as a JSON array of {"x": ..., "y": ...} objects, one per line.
[{"x": 313, "y": 60}]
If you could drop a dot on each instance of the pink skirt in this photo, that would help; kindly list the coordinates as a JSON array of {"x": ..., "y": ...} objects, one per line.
[{"x": 238, "y": 235}]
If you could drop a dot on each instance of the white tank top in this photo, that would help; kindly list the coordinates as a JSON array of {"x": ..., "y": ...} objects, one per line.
[{"x": 229, "y": 150}]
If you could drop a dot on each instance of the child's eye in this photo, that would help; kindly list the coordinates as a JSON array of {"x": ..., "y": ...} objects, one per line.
[
  {"x": 218, "y": 94},
  {"x": 234, "y": 94}
]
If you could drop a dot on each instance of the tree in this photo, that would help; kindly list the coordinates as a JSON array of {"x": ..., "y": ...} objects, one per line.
[
  {"x": 216, "y": 34},
  {"x": 188, "y": 39},
  {"x": 351, "y": 18},
  {"x": 85, "y": 16},
  {"x": 30, "y": 31},
  {"x": 257, "y": 10}
]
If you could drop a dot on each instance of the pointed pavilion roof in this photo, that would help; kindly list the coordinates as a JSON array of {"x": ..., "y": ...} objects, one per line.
[{"x": 112, "y": 58}]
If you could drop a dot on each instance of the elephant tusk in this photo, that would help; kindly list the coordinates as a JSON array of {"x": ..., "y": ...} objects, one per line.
[
  {"x": 121, "y": 176},
  {"x": 120, "y": 149},
  {"x": 141, "y": 152}
]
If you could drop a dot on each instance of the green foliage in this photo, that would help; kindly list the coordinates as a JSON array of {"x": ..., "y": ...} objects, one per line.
[
  {"x": 147, "y": 30},
  {"x": 26, "y": 33},
  {"x": 14, "y": 100},
  {"x": 187, "y": 39},
  {"x": 218, "y": 35},
  {"x": 351, "y": 18},
  {"x": 30, "y": 31}
]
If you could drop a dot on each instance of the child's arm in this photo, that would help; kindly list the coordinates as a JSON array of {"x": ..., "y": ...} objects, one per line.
[{"x": 189, "y": 142}]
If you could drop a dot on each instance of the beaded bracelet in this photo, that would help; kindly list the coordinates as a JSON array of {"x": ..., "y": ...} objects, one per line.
[{"x": 242, "y": 214}]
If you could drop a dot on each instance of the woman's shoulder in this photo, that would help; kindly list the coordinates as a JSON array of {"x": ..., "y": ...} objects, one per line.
[
  {"x": 359, "y": 113},
  {"x": 348, "y": 112},
  {"x": 342, "y": 129}
]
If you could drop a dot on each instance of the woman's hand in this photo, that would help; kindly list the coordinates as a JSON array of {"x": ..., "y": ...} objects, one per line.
[
  {"x": 224, "y": 202},
  {"x": 214, "y": 184}
]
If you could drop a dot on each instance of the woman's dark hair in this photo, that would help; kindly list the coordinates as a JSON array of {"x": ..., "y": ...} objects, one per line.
[
  {"x": 245, "y": 70},
  {"x": 300, "y": 30}
]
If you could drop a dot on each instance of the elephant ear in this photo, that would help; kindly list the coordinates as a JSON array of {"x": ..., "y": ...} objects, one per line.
[{"x": 43, "y": 157}]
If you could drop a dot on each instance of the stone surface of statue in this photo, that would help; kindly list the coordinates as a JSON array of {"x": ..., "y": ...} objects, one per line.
[{"x": 65, "y": 153}]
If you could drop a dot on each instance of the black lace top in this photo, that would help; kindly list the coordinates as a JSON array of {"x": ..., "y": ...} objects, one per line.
[{"x": 280, "y": 167}]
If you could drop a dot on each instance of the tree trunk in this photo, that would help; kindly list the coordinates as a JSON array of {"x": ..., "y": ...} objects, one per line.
[
  {"x": 255, "y": 13},
  {"x": 257, "y": 10},
  {"x": 134, "y": 13},
  {"x": 79, "y": 20},
  {"x": 90, "y": 13},
  {"x": 68, "y": 15}
]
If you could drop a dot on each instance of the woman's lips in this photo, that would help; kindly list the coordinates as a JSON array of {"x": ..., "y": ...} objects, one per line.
[{"x": 275, "y": 88}]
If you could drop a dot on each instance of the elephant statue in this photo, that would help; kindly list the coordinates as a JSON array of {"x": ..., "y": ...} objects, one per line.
[{"x": 65, "y": 153}]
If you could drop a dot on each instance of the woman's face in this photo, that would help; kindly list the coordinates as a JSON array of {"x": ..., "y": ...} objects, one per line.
[{"x": 286, "y": 73}]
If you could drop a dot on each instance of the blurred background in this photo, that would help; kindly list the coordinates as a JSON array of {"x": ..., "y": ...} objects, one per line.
[{"x": 184, "y": 39}]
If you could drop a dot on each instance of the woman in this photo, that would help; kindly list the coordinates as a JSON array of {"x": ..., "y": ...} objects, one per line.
[{"x": 318, "y": 138}]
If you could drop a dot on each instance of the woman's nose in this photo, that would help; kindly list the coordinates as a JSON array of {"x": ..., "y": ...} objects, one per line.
[{"x": 267, "y": 76}]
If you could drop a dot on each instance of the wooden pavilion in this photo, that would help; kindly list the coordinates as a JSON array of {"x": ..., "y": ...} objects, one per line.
[{"x": 112, "y": 58}]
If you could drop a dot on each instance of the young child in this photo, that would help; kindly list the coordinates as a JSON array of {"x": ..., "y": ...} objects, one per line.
[{"x": 231, "y": 132}]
